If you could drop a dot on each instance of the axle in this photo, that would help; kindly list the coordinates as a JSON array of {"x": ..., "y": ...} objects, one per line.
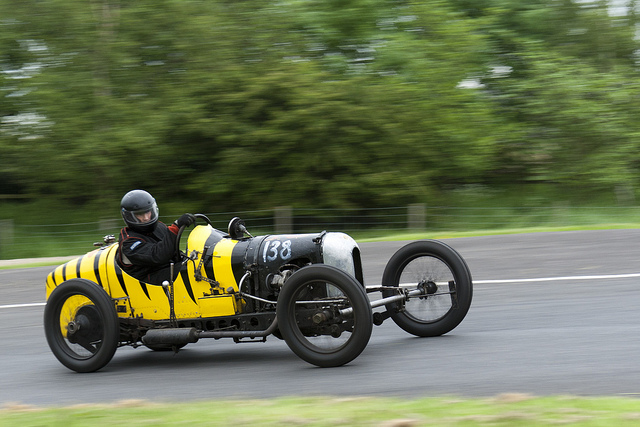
[{"x": 388, "y": 300}]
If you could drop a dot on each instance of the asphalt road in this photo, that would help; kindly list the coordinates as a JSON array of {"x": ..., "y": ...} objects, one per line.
[{"x": 574, "y": 329}]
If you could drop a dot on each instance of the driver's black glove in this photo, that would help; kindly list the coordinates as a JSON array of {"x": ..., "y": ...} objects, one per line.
[{"x": 186, "y": 220}]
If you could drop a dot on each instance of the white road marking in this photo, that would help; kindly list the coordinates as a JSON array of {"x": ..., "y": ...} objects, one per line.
[
  {"x": 35, "y": 304},
  {"x": 554, "y": 279},
  {"x": 475, "y": 282}
]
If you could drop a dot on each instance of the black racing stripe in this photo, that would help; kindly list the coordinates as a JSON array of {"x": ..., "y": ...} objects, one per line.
[
  {"x": 64, "y": 272},
  {"x": 208, "y": 261},
  {"x": 144, "y": 289},
  {"x": 96, "y": 268},
  {"x": 78, "y": 265},
  {"x": 187, "y": 284},
  {"x": 51, "y": 277},
  {"x": 237, "y": 260},
  {"x": 208, "y": 268},
  {"x": 120, "y": 278},
  {"x": 208, "y": 264}
]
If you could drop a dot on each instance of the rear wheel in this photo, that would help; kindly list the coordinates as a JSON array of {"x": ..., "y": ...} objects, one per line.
[
  {"x": 444, "y": 277},
  {"x": 324, "y": 316},
  {"x": 81, "y": 325}
]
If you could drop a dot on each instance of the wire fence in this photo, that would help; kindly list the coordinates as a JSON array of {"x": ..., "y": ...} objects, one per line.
[{"x": 27, "y": 240}]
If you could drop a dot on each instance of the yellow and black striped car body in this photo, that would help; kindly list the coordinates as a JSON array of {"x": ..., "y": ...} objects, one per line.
[{"x": 205, "y": 292}]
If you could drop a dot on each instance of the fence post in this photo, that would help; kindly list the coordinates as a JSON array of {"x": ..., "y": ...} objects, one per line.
[
  {"x": 6, "y": 237},
  {"x": 561, "y": 213},
  {"x": 283, "y": 220},
  {"x": 417, "y": 216},
  {"x": 625, "y": 195}
]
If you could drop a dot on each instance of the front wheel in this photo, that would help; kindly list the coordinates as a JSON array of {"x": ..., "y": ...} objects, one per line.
[
  {"x": 324, "y": 316},
  {"x": 81, "y": 325},
  {"x": 443, "y": 276}
]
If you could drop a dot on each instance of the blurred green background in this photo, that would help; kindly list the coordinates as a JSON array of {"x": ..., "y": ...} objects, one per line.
[{"x": 480, "y": 108}]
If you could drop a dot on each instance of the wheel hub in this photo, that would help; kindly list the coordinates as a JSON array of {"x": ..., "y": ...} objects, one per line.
[
  {"x": 73, "y": 327},
  {"x": 427, "y": 287},
  {"x": 85, "y": 326}
]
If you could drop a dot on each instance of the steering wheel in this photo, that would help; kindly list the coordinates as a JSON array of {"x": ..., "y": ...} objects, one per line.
[{"x": 181, "y": 230}]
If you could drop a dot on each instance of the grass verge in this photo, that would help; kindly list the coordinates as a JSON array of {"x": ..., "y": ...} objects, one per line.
[
  {"x": 370, "y": 237},
  {"x": 502, "y": 410}
]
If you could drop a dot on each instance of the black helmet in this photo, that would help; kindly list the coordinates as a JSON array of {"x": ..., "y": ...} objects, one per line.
[{"x": 139, "y": 211}]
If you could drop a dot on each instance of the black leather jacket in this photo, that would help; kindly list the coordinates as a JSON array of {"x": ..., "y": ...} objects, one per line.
[{"x": 146, "y": 256}]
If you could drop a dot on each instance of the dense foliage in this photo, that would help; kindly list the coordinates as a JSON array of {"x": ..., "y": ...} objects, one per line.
[{"x": 334, "y": 103}]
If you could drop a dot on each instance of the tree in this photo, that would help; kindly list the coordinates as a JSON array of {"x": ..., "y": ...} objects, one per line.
[{"x": 325, "y": 103}]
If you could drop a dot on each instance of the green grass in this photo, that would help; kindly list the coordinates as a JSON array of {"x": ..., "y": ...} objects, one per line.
[
  {"x": 44, "y": 229},
  {"x": 379, "y": 237},
  {"x": 503, "y": 410}
]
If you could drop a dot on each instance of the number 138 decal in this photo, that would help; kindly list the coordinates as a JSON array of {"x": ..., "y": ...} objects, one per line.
[{"x": 276, "y": 249}]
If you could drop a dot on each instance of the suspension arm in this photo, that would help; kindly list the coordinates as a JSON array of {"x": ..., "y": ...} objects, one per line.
[{"x": 388, "y": 300}]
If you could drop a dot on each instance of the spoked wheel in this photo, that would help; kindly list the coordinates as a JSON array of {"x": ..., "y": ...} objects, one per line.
[
  {"x": 324, "y": 316},
  {"x": 445, "y": 281},
  {"x": 81, "y": 325}
]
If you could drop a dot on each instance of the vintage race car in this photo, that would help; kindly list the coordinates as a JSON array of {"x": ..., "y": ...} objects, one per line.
[{"x": 307, "y": 289}]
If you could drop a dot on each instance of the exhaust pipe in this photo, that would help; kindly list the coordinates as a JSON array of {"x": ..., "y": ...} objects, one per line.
[
  {"x": 184, "y": 336},
  {"x": 172, "y": 336}
]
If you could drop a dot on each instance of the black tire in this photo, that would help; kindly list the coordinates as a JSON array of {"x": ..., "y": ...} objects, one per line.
[
  {"x": 335, "y": 339},
  {"x": 81, "y": 325},
  {"x": 440, "y": 269}
]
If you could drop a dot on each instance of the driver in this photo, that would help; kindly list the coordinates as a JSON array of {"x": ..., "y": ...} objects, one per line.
[{"x": 147, "y": 246}]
